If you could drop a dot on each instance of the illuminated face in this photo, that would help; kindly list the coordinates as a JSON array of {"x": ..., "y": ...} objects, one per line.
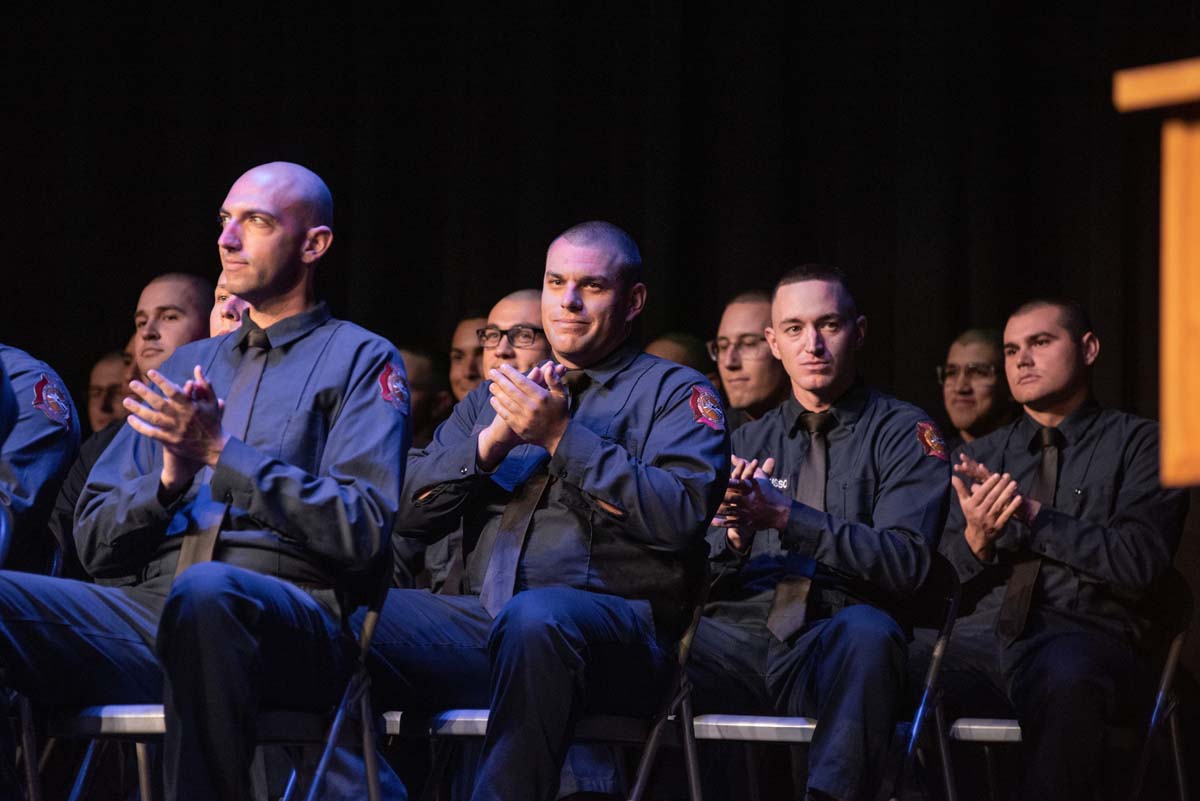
[
  {"x": 168, "y": 315},
  {"x": 466, "y": 357},
  {"x": 263, "y": 236},
  {"x": 750, "y": 373},
  {"x": 505, "y": 315},
  {"x": 1044, "y": 364},
  {"x": 107, "y": 385},
  {"x": 813, "y": 333},
  {"x": 226, "y": 314},
  {"x": 973, "y": 387},
  {"x": 586, "y": 308}
]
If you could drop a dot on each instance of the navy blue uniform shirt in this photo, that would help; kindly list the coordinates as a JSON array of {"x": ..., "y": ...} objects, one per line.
[
  {"x": 1111, "y": 531},
  {"x": 634, "y": 443},
  {"x": 36, "y": 455},
  {"x": 314, "y": 485},
  {"x": 886, "y": 495}
]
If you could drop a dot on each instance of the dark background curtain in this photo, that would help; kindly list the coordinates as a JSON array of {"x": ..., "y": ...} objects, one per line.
[{"x": 954, "y": 160}]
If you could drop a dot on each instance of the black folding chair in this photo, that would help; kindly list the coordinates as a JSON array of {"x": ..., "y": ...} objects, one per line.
[
  {"x": 1170, "y": 605},
  {"x": 145, "y": 724}
]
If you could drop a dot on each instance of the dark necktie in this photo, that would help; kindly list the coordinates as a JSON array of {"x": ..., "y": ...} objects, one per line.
[
  {"x": 500, "y": 578},
  {"x": 790, "y": 602},
  {"x": 209, "y": 515},
  {"x": 1018, "y": 596}
]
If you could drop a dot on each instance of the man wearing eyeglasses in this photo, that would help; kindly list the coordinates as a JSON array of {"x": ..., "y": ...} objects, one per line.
[
  {"x": 973, "y": 386},
  {"x": 753, "y": 379}
]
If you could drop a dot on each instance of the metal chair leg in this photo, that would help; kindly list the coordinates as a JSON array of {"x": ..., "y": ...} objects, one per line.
[
  {"x": 145, "y": 772},
  {"x": 750, "y": 756},
  {"x": 993, "y": 781},
  {"x": 33, "y": 782},
  {"x": 370, "y": 755},
  {"x": 691, "y": 756},
  {"x": 1181, "y": 782},
  {"x": 83, "y": 778},
  {"x": 646, "y": 764},
  {"x": 943, "y": 744},
  {"x": 335, "y": 732}
]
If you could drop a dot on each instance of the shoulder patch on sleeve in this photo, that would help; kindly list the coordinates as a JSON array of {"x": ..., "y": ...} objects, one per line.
[
  {"x": 706, "y": 408},
  {"x": 51, "y": 398},
  {"x": 931, "y": 441},
  {"x": 393, "y": 386}
]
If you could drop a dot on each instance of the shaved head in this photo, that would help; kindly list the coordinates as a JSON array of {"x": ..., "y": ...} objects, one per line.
[
  {"x": 191, "y": 291},
  {"x": 600, "y": 235},
  {"x": 296, "y": 188}
]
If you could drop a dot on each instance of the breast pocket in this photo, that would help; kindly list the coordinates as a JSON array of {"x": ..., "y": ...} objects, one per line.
[
  {"x": 302, "y": 442},
  {"x": 858, "y": 500}
]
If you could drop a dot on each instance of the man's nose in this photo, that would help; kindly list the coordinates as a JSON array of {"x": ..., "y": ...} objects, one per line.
[
  {"x": 731, "y": 359},
  {"x": 571, "y": 298},
  {"x": 229, "y": 239},
  {"x": 505, "y": 347}
]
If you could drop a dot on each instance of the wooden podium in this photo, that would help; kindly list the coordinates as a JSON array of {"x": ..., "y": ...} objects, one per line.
[{"x": 1175, "y": 87}]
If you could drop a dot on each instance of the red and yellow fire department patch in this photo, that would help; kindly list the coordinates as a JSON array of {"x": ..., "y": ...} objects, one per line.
[
  {"x": 706, "y": 408},
  {"x": 931, "y": 441},
  {"x": 52, "y": 400},
  {"x": 394, "y": 387}
]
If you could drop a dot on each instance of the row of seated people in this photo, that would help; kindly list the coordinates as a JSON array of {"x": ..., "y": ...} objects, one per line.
[{"x": 590, "y": 492}]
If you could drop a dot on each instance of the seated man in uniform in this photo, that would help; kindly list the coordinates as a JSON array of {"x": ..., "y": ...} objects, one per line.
[
  {"x": 583, "y": 489},
  {"x": 1059, "y": 530},
  {"x": 974, "y": 388},
  {"x": 170, "y": 313},
  {"x": 273, "y": 451},
  {"x": 466, "y": 356},
  {"x": 38, "y": 453},
  {"x": 107, "y": 384},
  {"x": 752, "y": 378},
  {"x": 835, "y": 505}
]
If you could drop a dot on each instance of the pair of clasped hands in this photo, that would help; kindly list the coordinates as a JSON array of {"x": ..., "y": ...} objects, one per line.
[
  {"x": 988, "y": 500},
  {"x": 530, "y": 408},
  {"x": 185, "y": 419}
]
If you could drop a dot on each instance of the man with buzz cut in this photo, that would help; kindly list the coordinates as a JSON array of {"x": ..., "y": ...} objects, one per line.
[
  {"x": 827, "y": 529},
  {"x": 752, "y": 378},
  {"x": 1059, "y": 531},
  {"x": 583, "y": 488},
  {"x": 257, "y": 470}
]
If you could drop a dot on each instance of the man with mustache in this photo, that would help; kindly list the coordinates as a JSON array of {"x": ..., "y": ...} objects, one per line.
[
  {"x": 835, "y": 504},
  {"x": 1058, "y": 531},
  {"x": 974, "y": 388},
  {"x": 583, "y": 488}
]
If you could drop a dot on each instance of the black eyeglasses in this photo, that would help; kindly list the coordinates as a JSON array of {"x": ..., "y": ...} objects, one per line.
[
  {"x": 521, "y": 336},
  {"x": 972, "y": 370},
  {"x": 748, "y": 346}
]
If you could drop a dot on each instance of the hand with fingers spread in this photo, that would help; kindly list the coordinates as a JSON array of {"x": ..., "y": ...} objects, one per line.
[
  {"x": 987, "y": 505},
  {"x": 751, "y": 502},
  {"x": 534, "y": 406},
  {"x": 186, "y": 420}
]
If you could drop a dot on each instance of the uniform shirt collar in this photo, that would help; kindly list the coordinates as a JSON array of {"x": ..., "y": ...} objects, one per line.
[
  {"x": 603, "y": 371},
  {"x": 1072, "y": 428},
  {"x": 846, "y": 409},
  {"x": 287, "y": 330}
]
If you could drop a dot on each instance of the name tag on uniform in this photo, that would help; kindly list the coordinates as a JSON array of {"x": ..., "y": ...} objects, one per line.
[{"x": 779, "y": 483}]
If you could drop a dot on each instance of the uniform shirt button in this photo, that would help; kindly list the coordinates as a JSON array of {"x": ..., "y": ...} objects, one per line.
[{"x": 462, "y": 471}]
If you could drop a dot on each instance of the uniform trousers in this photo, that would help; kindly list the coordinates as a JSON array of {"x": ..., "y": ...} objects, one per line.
[
  {"x": 552, "y": 655},
  {"x": 1065, "y": 684},
  {"x": 847, "y": 671},
  {"x": 213, "y": 647}
]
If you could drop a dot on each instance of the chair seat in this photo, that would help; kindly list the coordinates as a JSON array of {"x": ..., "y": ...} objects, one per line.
[
  {"x": 148, "y": 722},
  {"x": 754, "y": 728},
  {"x": 985, "y": 730}
]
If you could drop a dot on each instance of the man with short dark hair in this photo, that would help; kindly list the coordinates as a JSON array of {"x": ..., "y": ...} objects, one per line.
[
  {"x": 683, "y": 348},
  {"x": 1059, "y": 530},
  {"x": 466, "y": 355},
  {"x": 172, "y": 311},
  {"x": 263, "y": 467},
  {"x": 583, "y": 488},
  {"x": 834, "y": 506},
  {"x": 227, "y": 309},
  {"x": 107, "y": 384},
  {"x": 974, "y": 388},
  {"x": 752, "y": 378}
]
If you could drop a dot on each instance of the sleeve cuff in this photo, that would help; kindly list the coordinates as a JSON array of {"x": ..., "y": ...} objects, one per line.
[
  {"x": 965, "y": 562},
  {"x": 574, "y": 454},
  {"x": 804, "y": 528},
  {"x": 232, "y": 480}
]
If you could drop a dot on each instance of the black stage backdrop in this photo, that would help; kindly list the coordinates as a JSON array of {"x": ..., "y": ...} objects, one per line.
[{"x": 954, "y": 161}]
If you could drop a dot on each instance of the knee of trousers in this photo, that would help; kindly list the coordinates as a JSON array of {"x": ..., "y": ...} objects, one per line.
[
  {"x": 204, "y": 600},
  {"x": 535, "y": 626},
  {"x": 867, "y": 637}
]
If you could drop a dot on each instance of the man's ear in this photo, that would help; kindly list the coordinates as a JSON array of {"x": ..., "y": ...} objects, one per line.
[
  {"x": 636, "y": 300},
  {"x": 860, "y": 327},
  {"x": 769, "y": 334},
  {"x": 1090, "y": 345},
  {"x": 316, "y": 241}
]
